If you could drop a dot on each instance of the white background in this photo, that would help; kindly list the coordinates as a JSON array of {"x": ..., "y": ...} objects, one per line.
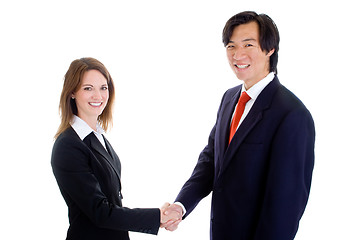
[{"x": 168, "y": 63}]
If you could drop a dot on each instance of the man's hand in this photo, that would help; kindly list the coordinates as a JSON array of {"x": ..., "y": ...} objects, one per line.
[{"x": 171, "y": 216}]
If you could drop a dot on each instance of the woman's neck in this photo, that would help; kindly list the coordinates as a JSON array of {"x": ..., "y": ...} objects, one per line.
[{"x": 90, "y": 121}]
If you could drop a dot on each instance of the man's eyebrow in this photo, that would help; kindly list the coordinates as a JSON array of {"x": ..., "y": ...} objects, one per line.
[
  {"x": 249, "y": 40},
  {"x": 245, "y": 40}
]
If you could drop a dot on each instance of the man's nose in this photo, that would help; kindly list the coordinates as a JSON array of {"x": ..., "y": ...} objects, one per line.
[{"x": 238, "y": 54}]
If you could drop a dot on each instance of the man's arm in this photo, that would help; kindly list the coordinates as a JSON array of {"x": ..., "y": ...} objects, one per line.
[
  {"x": 289, "y": 177},
  {"x": 201, "y": 181}
]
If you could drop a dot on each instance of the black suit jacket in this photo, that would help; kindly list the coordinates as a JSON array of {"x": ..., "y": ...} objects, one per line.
[
  {"x": 89, "y": 180},
  {"x": 261, "y": 180}
]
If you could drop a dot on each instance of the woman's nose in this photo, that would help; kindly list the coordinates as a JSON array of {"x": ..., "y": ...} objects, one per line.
[{"x": 97, "y": 94}]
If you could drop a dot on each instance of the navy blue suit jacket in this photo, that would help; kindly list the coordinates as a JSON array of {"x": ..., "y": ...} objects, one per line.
[
  {"x": 89, "y": 180},
  {"x": 260, "y": 182}
]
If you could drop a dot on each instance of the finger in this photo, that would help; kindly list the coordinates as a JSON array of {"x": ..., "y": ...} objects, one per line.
[
  {"x": 174, "y": 215},
  {"x": 173, "y": 226},
  {"x": 174, "y": 207},
  {"x": 167, "y": 224},
  {"x": 166, "y": 205}
]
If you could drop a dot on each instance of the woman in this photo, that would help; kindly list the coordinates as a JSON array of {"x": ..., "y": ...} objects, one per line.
[{"x": 86, "y": 166}]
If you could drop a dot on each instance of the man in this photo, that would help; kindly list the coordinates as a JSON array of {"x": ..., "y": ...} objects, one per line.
[{"x": 260, "y": 154}]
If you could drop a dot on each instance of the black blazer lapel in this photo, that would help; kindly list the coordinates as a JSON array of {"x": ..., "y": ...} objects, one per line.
[
  {"x": 114, "y": 156},
  {"x": 254, "y": 116},
  {"x": 109, "y": 148},
  {"x": 96, "y": 145}
]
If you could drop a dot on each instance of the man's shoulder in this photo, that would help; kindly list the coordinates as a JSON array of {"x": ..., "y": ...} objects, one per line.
[
  {"x": 235, "y": 89},
  {"x": 288, "y": 98},
  {"x": 231, "y": 92}
]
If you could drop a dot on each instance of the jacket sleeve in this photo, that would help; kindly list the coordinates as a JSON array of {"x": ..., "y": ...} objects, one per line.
[
  {"x": 80, "y": 188},
  {"x": 289, "y": 177},
  {"x": 201, "y": 182}
]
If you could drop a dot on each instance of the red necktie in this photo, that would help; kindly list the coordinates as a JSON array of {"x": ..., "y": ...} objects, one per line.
[{"x": 244, "y": 98}]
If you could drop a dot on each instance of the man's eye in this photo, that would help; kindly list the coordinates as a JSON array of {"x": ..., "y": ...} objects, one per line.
[
  {"x": 229, "y": 46},
  {"x": 248, "y": 45}
]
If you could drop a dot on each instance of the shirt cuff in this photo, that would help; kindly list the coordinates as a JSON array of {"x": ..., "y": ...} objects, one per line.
[{"x": 182, "y": 206}]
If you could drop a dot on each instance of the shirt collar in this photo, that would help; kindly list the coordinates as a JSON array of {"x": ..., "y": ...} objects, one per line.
[
  {"x": 83, "y": 129},
  {"x": 255, "y": 90}
]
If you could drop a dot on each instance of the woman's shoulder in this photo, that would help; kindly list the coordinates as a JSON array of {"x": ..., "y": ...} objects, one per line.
[
  {"x": 68, "y": 142},
  {"x": 69, "y": 135},
  {"x": 68, "y": 146}
]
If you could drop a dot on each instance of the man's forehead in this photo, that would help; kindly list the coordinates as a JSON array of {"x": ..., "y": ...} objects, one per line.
[{"x": 245, "y": 32}]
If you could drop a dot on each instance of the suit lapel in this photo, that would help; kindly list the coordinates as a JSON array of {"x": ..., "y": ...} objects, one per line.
[
  {"x": 254, "y": 116},
  {"x": 116, "y": 160},
  {"x": 109, "y": 148},
  {"x": 225, "y": 129},
  {"x": 246, "y": 126},
  {"x": 228, "y": 115},
  {"x": 99, "y": 148}
]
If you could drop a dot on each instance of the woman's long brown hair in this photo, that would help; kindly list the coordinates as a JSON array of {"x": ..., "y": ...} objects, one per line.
[{"x": 72, "y": 83}]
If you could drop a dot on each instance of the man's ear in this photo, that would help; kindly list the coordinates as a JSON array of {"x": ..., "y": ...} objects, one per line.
[{"x": 270, "y": 52}]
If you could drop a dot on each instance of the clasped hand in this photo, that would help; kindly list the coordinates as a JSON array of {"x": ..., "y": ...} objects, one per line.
[{"x": 171, "y": 216}]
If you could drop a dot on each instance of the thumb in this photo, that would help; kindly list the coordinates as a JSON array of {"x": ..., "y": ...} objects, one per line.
[{"x": 166, "y": 205}]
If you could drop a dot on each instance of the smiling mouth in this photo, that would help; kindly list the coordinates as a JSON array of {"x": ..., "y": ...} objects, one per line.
[
  {"x": 95, "y": 104},
  {"x": 242, "y": 66}
]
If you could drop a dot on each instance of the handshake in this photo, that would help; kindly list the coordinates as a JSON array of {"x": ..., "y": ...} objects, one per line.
[{"x": 171, "y": 216}]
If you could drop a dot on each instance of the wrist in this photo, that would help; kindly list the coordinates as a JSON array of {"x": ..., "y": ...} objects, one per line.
[{"x": 182, "y": 207}]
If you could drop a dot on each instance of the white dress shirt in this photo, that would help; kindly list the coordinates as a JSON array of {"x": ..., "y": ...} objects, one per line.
[
  {"x": 83, "y": 129},
  {"x": 253, "y": 92}
]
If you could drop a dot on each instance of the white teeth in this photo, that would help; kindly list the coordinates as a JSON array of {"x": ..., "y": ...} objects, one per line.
[
  {"x": 95, "y": 104},
  {"x": 242, "y": 66}
]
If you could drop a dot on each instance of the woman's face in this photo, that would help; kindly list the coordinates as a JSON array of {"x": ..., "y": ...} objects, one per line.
[{"x": 92, "y": 97}]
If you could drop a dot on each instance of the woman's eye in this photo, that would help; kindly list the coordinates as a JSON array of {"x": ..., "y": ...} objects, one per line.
[
  {"x": 87, "y": 88},
  {"x": 104, "y": 88}
]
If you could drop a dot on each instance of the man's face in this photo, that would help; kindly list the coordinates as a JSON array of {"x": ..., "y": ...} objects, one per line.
[{"x": 245, "y": 56}]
